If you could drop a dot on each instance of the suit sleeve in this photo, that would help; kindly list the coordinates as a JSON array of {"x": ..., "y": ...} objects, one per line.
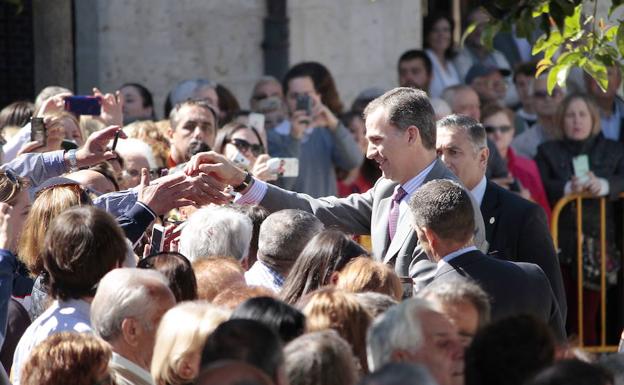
[
  {"x": 351, "y": 214},
  {"x": 536, "y": 246},
  {"x": 551, "y": 309},
  {"x": 136, "y": 221}
]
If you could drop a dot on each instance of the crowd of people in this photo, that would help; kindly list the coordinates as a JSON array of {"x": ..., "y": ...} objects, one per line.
[{"x": 405, "y": 240}]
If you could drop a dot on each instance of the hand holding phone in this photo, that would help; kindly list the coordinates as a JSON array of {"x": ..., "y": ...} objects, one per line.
[
  {"x": 285, "y": 167},
  {"x": 157, "y": 242},
  {"x": 83, "y": 105},
  {"x": 581, "y": 168}
]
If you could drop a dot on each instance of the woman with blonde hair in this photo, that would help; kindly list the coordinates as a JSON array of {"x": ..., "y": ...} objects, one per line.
[
  {"x": 179, "y": 340},
  {"x": 330, "y": 308},
  {"x": 363, "y": 274},
  {"x": 70, "y": 359}
]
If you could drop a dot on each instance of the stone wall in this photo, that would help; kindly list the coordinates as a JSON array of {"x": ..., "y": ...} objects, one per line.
[{"x": 160, "y": 42}]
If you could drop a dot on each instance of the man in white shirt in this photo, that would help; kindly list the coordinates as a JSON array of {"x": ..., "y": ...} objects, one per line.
[{"x": 125, "y": 312}]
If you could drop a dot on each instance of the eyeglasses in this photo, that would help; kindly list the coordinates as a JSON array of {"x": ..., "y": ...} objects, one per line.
[
  {"x": 502, "y": 129},
  {"x": 245, "y": 146},
  {"x": 16, "y": 184}
]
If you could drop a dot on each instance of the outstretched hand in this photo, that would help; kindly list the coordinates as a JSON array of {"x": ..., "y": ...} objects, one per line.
[
  {"x": 95, "y": 149},
  {"x": 217, "y": 166},
  {"x": 166, "y": 193}
]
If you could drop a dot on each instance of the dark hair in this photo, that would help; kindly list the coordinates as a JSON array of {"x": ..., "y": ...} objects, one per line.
[
  {"x": 178, "y": 271},
  {"x": 573, "y": 372},
  {"x": 285, "y": 320},
  {"x": 509, "y": 351},
  {"x": 445, "y": 207},
  {"x": 225, "y": 133},
  {"x": 327, "y": 252},
  {"x": 528, "y": 68},
  {"x": 173, "y": 115},
  {"x": 16, "y": 114},
  {"x": 257, "y": 214},
  {"x": 228, "y": 104},
  {"x": 413, "y": 54},
  {"x": 323, "y": 81},
  {"x": 408, "y": 107},
  {"x": 146, "y": 95},
  {"x": 81, "y": 246},
  {"x": 474, "y": 130},
  {"x": 245, "y": 340},
  {"x": 429, "y": 22}
]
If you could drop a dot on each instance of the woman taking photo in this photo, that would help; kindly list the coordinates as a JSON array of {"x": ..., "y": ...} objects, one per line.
[{"x": 582, "y": 161}]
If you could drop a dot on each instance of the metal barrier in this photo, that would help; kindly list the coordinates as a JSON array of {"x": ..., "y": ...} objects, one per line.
[{"x": 554, "y": 230}]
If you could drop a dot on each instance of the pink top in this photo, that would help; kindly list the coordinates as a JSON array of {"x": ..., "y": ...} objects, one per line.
[{"x": 525, "y": 170}]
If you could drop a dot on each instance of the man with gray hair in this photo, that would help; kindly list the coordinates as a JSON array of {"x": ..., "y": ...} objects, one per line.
[
  {"x": 414, "y": 332},
  {"x": 125, "y": 312},
  {"x": 516, "y": 229},
  {"x": 216, "y": 231},
  {"x": 283, "y": 235},
  {"x": 136, "y": 155}
]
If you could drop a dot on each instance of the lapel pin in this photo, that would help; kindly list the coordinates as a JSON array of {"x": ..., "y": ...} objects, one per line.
[{"x": 492, "y": 220}]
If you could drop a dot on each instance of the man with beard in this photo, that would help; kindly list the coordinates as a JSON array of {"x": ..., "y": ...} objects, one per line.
[{"x": 193, "y": 126}]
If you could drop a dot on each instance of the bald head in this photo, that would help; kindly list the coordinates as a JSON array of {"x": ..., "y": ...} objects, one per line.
[
  {"x": 92, "y": 180},
  {"x": 136, "y": 155}
]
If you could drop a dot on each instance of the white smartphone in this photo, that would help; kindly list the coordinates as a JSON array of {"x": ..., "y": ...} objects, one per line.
[
  {"x": 256, "y": 121},
  {"x": 581, "y": 167},
  {"x": 240, "y": 160},
  {"x": 285, "y": 167},
  {"x": 158, "y": 239}
]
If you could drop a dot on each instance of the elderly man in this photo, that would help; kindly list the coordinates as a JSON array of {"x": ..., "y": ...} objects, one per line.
[
  {"x": 125, "y": 312},
  {"x": 191, "y": 125},
  {"x": 216, "y": 231},
  {"x": 516, "y": 229},
  {"x": 441, "y": 212},
  {"x": 136, "y": 155},
  {"x": 81, "y": 246},
  {"x": 400, "y": 128},
  {"x": 413, "y": 332},
  {"x": 283, "y": 235}
]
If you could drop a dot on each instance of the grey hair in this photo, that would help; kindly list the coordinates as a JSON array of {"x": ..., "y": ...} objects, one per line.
[
  {"x": 47, "y": 93},
  {"x": 137, "y": 146},
  {"x": 375, "y": 303},
  {"x": 283, "y": 235},
  {"x": 399, "y": 373},
  {"x": 187, "y": 89},
  {"x": 321, "y": 357},
  {"x": 265, "y": 80},
  {"x": 457, "y": 290},
  {"x": 216, "y": 231},
  {"x": 125, "y": 293},
  {"x": 474, "y": 130},
  {"x": 408, "y": 107},
  {"x": 398, "y": 328}
]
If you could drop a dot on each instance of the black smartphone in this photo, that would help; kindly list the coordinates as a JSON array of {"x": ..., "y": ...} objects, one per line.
[
  {"x": 115, "y": 140},
  {"x": 83, "y": 105},
  {"x": 304, "y": 103},
  {"x": 38, "y": 131},
  {"x": 67, "y": 145}
]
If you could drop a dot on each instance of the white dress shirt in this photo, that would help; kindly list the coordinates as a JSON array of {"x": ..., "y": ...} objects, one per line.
[{"x": 478, "y": 192}]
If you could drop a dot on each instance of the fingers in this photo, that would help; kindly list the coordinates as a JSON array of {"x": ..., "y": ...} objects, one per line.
[
  {"x": 192, "y": 165},
  {"x": 145, "y": 178},
  {"x": 147, "y": 250}
]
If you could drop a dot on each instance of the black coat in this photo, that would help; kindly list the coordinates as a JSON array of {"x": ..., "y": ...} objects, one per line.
[
  {"x": 513, "y": 288},
  {"x": 517, "y": 230}
]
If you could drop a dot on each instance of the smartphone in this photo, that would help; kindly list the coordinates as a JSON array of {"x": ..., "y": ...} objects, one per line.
[
  {"x": 285, "y": 167},
  {"x": 581, "y": 167},
  {"x": 304, "y": 103},
  {"x": 256, "y": 121},
  {"x": 158, "y": 239},
  {"x": 240, "y": 160},
  {"x": 115, "y": 140},
  {"x": 408, "y": 287},
  {"x": 68, "y": 144},
  {"x": 38, "y": 131},
  {"x": 83, "y": 105}
]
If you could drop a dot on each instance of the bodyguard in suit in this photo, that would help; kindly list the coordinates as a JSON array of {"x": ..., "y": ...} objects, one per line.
[
  {"x": 515, "y": 228},
  {"x": 400, "y": 128},
  {"x": 444, "y": 222}
]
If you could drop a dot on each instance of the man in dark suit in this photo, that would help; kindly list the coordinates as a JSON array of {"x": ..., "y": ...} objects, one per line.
[
  {"x": 442, "y": 218},
  {"x": 400, "y": 127},
  {"x": 515, "y": 228}
]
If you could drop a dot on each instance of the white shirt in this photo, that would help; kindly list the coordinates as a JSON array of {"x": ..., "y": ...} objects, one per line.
[
  {"x": 410, "y": 188},
  {"x": 119, "y": 361},
  {"x": 441, "y": 77},
  {"x": 262, "y": 275},
  {"x": 447, "y": 258},
  {"x": 479, "y": 190},
  {"x": 71, "y": 315}
]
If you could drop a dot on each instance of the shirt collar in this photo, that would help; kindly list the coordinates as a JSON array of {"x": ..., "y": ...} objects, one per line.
[
  {"x": 81, "y": 307},
  {"x": 131, "y": 366},
  {"x": 413, "y": 184},
  {"x": 447, "y": 258},
  {"x": 479, "y": 191}
]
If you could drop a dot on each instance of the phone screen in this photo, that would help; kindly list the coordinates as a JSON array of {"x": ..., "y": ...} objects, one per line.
[
  {"x": 83, "y": 105},
  {"x": 38, "y": 131},
  {"x": 158, "y": 239}
]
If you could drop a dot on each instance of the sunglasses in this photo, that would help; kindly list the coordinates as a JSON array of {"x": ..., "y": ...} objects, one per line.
[
  {"x": 245, "y": 146},
  {"x": 501, "y": 129}
]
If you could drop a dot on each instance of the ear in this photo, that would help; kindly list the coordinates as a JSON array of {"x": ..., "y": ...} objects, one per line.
[
  {"x": 413, "y": 134},
  {"x": 431, "y": 236},
  {"x": 170, "y": 131},
  {"x": 484, "y": 155},
  {"x": 185, "y": 368},
  {"x": 399, "y": 356},
  {"x": 129, "y": 331},
  {"x": 334, "y": 278}
]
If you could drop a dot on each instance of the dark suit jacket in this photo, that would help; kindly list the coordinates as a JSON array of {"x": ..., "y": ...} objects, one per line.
[
  {"x": 513, "y": 288},
  {"x": 517, "y": 231},
  {"x": 368, "y": 213}
]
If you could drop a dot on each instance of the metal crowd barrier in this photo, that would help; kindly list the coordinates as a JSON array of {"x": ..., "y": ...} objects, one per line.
[{"x": 554, "y": 230}]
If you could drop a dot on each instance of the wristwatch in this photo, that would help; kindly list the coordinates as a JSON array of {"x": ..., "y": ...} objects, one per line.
[
  {"x": 73, "y": 164},
  {"x": 246, "y": 182}
]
